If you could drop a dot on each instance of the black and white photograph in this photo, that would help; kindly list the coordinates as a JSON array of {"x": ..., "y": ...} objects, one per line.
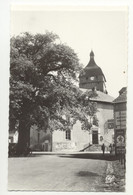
[{"x": 68, "y": 98}]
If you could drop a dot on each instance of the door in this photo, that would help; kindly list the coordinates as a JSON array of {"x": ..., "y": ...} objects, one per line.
[
  {"x": 46, "y": 147},
  {"x": 95, "y": 137}
]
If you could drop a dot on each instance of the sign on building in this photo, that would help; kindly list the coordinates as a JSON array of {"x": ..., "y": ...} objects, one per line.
[
  {"x": 120, "y": 119},
  {"x": 111, "y": 124},
  {"x": 120, "y": 138}
]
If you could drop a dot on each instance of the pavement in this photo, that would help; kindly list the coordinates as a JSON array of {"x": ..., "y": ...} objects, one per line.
[{"x": 73, "y": 172}]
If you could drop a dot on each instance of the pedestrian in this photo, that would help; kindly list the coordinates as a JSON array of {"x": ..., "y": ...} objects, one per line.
[
  {"x": 103, "y": 148},
  {"x": 111, "y": 147}
]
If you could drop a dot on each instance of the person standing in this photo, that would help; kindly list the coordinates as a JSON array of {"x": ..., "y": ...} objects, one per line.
[
  {"x": 111, "y": 147},
  {"x": 103, "y": 148}
]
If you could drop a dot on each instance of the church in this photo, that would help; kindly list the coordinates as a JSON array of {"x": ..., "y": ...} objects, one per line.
[{"x": 90, "y": 78}]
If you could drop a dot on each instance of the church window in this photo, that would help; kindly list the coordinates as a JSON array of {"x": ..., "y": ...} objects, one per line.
[{"x": 68, "y": 134}]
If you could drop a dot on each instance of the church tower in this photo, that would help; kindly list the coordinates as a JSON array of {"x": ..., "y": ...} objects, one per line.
[{"x": 92, "y": 76}]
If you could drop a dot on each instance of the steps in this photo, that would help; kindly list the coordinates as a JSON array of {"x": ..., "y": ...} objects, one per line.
[{"x": 94, "y": 147}]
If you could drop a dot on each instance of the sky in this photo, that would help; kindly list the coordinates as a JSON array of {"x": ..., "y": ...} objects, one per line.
[{"x": 103, "y": 30}]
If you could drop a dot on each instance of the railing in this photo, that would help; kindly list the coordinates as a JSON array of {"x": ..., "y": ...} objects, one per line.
[{"x": 86, "y": 148}]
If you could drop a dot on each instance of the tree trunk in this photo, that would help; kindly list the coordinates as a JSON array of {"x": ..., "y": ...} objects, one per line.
[{"x": 24, "y": 136}]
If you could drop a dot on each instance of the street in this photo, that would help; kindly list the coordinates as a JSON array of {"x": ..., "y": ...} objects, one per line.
[{"x": 69, "y": 172}]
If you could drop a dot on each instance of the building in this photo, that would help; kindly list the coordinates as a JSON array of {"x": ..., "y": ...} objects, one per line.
[
  {"x": 91, "y": 78},
  {"x": 13, "y": 132},
  {"x": 120, "y": 120},
  {"x": 13, "y": 137}
]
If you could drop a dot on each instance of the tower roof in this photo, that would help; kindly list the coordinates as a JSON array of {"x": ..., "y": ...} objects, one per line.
[
  {"x": 91, "y": 53},
  {"x": 92, "y": 69}
]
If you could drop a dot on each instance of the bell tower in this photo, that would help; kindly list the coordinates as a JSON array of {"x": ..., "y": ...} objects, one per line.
[{"x": 92, "y": 76}]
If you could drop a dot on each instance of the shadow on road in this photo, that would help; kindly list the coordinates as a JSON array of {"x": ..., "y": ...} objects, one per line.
[
  {"x": 97, "y": 156},
  {"x": 87, "y": 174}
]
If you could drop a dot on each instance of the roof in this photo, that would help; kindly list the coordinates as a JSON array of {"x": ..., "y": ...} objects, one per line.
[
  {"x": 92, "y": 53},
  {"x": 101, "y": 97},
  {"x": 11, "y": 133},
  {"x": 122, "y": 90},
  {"x": 92, "y": 69},
  {"x": 122, "y": 96}
]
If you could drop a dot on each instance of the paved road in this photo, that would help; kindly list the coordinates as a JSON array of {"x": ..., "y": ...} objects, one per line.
[{"x": 57, "y": 173}]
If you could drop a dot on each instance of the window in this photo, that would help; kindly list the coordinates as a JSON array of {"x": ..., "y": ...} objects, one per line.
[
  {"x": 92, "y": 78},
  {"x": 95, "y": 137},
  {"x": 68, "y": 134}
]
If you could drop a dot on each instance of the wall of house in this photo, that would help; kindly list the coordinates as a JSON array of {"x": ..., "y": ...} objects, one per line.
[
  {"x": 79, "y": 139},
  {"x": 15, "y": 137},
  {"x": 43, "y": 141},
  {"x": 105, "y": 113}
]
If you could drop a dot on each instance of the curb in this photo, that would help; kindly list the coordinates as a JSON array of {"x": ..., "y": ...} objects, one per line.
[
  {"x": 113, "y": 184},
  {"x": 110, "y": 177},
  {"x": 67, "y": 152}
]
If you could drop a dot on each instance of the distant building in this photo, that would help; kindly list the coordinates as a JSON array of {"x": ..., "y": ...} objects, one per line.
[
  {"x": 13, "y": 132},
  {"x": 13, "y": 137}
]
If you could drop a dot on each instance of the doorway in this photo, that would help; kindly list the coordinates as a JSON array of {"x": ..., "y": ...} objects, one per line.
[
  {"x": 46, "y": 147},
  {"x": 95, "y": 137}
]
